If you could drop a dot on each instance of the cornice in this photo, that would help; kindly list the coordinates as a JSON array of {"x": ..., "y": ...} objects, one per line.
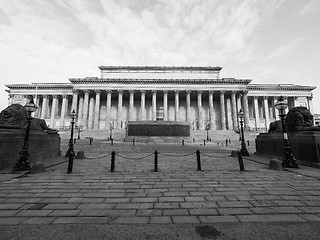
[
  {"x": 223, "y": 81},
  {"x": 280, "y": 87},
  {"x": 158, "y": 68},
  {"x": 42, "y": 86}
]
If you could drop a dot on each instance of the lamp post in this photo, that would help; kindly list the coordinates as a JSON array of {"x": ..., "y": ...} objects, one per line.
[
  {"x": 243, "y": 150},
  {"x": 70, "y": 152},
  {"x": 288, "y": 161},
  {"x": 23, "y": 163},
  {"x": 111, "y": 128},
  {"x": 207, "y": 128}
]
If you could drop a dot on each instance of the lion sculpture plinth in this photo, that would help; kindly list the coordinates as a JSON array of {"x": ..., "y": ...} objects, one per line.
[
  {"x": 297, "y": 119},
  {"x": 15, "y": 116}
]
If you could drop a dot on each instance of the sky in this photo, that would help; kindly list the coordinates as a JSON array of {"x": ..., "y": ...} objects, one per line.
[{"x": 274, "y": 41}]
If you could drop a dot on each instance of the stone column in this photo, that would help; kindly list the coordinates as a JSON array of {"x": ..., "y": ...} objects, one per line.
[
  {"x": 91, "y": 112},
  {"x": 119, "y": 113},
  {"x": 256, "y": 112},
  {"x": 44, "y": 106},
  {"x": 74, "y": 100},
  {"x": 80, "y": 110},
  {"x": 211, "y": 111},
  {"x": 154, "y": 105},
  {"x": 239, "y": 103},
  {"x": 200, "y": 120},
  {"x": 108, "y": 109},
  {"x": 234, "y": 110},
  {"x": 229, "y": 123},
  {"x": 165, "y": 105},
  {"x": 85, "y": 108},
  {"x": 131, "y": 105},
  {"x": 188, "y": 103},
  {"x": 266, "y": 111},
  {"x": 36, "y": 102},
  {"x": 53, "y": 110},
  {"x": 143, "y": 105},
  {"x": 310, "y": 103},
  {"x": 97, "y": 110},
  {"x": 223, "y": 111},
  {"x": 10, "y": 99},
  {"x": 176, "y": 105},
  {"x": 63, "y": 109},
  {"x": 245, "y": 110}
]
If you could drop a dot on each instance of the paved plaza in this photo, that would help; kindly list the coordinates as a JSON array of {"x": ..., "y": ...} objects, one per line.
[{"x": 177, "y": 202}]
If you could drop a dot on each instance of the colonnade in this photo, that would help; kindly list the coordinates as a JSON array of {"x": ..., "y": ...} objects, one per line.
[{"x": 87, "y": 104}]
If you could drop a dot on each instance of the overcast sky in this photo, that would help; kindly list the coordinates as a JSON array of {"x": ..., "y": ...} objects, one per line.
[{"x": 270, "y": 41}]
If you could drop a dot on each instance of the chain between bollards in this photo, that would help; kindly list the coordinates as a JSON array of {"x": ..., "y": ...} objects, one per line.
[
  {"x": 155, "y": 161},
  {"x": 198, "y": 160},
  {"x": 113, "y": 158},
  {"x": 240, "y": 159}
]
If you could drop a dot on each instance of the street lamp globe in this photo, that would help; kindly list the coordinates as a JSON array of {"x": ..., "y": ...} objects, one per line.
[{"x": 281, "y": 105}]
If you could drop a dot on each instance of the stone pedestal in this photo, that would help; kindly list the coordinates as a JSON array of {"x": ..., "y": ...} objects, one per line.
[
  {"x": 41, "y": 146},
  {"x": 305, "y": 146}
]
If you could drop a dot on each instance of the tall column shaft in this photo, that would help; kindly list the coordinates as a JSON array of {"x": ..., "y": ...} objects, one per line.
[
  {"x": 53, "y": 110},
  {"x": 74, "y": 101},
  {"x": 266, "y": 111},
  {"x": 80, "y": 110},
  {"x": 119, "y": 115},
  {"x": 211, "y": 111},
  {"x": 245, "y": 110},
  {"x": 176, "y": 105},
  {"x": 91, "y": 112},
  {"x": 234, "y": 110},
  {"x": 188, "y": 103},
  {"x": 228, "y": 114},
  {"x": 165, "y": 105},
  {"x": 154, "y": 105},
  {"x": 223, "y": 111},
  {"x": 97, "y": 110},
  {"x": 85, "y": 109},
  {"x": 256, "y": 112},
  {"x": 108, "y": 110},
  {"x": 143, "y": 105},
  {"x": 200, "y": 120},
  {"x": 44, "y": 106},
  {"x": 131, "y": 105},
  {"x": 63, "y": 110}
]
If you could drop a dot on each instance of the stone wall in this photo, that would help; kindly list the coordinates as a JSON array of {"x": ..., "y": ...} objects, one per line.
[{"x": 42, "y": 146}]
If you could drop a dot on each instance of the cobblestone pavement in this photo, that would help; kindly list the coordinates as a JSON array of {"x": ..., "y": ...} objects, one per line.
[{"x": 177, "y": 194}]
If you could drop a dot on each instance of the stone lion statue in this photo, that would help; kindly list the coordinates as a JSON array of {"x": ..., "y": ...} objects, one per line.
[
  {"x": 15, "y": 116},
  {"x": 297, "y": 119}
]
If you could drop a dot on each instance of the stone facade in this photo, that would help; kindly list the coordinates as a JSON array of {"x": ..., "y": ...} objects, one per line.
[{"x": 196, "y": 95}]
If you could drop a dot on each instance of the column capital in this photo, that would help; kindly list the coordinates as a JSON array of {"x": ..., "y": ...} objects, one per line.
[
  {"x": 55, "y": 96},
  {"x": 188, "y": 91},
  {"x": 143, "y": 91},
  {"x": 265, "y": 97},
  {"x": 233, "y": 92},
  {"x": 75, "y": 91},
  {"x": 222, "y": 92},
  {"x": 11, "y": 95},
  {"x": 64, "y": 95},
  {"x": 45, "y": 96},
  {"x": 154, "y": 91},
  {"x": 211, "y": 91},
  {"x": 120, "y": 91},
  {"x": 86, "y": 91},
  {"x": 199, "y": 91},
  {"x": 109, "y": 91},
  {"x": 245, "y": 92},
  {"x": 165, "y": 91},
  {"x": 97, "y": 91},
  {"x": 255, "y": 97},
  {"x": 309, "y": 98},
  {"x": 131, "y": 91},
  {"x": 177, "y": 91}
]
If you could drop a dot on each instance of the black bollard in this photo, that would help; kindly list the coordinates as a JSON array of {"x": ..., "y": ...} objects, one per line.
[
  {"x": 113, "y": 158},
  {"x": 240, "y": 159},
  {"x": 193, "y": 139},
  {"x": 132, "y": 141},
  {"x": 198, "y": 160},
  {"x": 204, "y": 142},
  {"x": 111, "y": 141},
  {"x": 226, "y": 142},
  {"x": 229, "y": 140},
  {"x": 90, "y": 140},
  {"x": 74, "y": 141},
  {"x": 182, "y": 142},
  {"x": 248, "y": 143},
  {"x": 124, "y": 140},
  {"x": 156, "y": 161}
]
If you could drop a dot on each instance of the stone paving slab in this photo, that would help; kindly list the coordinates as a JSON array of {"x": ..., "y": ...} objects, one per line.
[{"x": 177, "y": 194}]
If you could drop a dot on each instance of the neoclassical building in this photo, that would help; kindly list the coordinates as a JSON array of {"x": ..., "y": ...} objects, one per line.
[{"x": 196, "y": 95}]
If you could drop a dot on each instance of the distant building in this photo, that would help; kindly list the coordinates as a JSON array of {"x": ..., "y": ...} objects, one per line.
[{"x": 196, "y": 95}]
